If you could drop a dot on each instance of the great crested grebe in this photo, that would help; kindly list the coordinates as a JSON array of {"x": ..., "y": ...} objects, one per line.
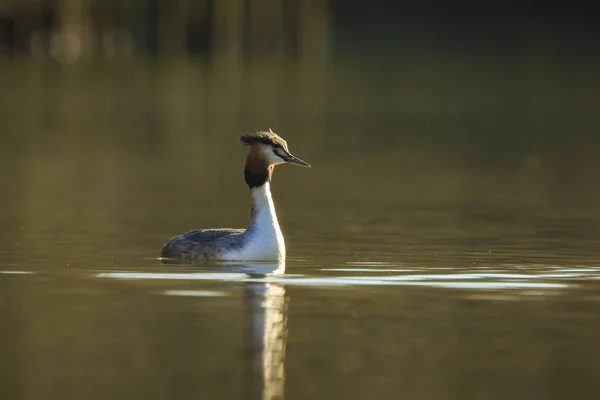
[{"x": 262, "y": 240}]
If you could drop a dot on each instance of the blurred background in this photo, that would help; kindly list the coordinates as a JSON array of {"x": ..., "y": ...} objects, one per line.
[
  {"x": 510, "y": 87},
  {"x": 443, "y": 136}
]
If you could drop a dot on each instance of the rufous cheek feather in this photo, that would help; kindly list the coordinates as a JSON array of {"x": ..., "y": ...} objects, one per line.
[
  {"x": 256, "y": 160},
  {"x": 257, "y": 170}
]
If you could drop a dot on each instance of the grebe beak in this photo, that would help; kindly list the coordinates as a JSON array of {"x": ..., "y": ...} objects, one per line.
[{"x": 288, "y": 158}]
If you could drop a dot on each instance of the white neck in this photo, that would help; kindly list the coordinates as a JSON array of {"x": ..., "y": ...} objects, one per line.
[{"x": 263, "y": 233}]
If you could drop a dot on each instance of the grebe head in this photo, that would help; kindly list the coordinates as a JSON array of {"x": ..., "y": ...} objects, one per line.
[{"x": 267, "y": 149}]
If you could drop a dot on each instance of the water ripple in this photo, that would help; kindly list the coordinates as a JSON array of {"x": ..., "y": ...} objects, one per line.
[
  {"x": 195, "y": 293},
  {"x": 548, "y": 279}
]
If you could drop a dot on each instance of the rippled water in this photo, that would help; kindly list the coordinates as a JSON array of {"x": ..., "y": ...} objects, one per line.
[
  {"x": 420, "y": 265},
  {"x": 458, "y": 323}
]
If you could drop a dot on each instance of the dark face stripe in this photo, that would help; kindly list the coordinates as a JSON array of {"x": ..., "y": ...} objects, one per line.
[{"x": 279, "y": 152}]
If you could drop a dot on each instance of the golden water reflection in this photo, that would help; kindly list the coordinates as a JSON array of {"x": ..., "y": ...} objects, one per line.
[{"x": 265, "y": 303}]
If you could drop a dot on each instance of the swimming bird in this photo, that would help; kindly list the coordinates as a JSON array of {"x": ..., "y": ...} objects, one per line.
[{"x": 262, "y": 240}]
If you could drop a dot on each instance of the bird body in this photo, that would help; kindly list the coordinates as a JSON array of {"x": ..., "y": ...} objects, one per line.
[{"x": 263, "y": 239}]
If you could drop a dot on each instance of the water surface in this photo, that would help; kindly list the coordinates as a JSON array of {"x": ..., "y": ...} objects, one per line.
[{"x": 444, "y": 244}]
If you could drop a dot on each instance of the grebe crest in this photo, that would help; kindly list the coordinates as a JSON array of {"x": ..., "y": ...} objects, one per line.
[{"x": 262, "y": 240}]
